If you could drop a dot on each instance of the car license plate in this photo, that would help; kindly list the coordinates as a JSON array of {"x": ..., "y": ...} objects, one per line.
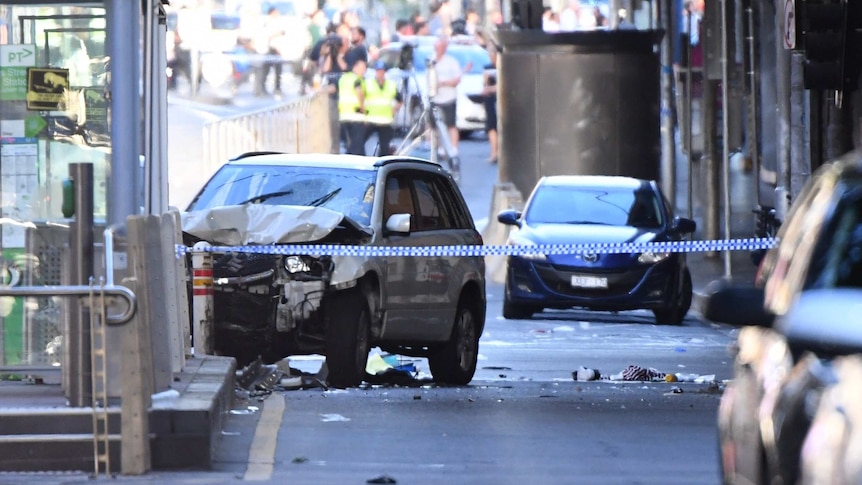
[{"x": 589, "y": 281}]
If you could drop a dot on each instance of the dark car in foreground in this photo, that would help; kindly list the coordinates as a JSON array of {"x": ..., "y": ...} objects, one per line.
[
  {"x": 282, "y": 302},
  {"x": 589, "y": 210},
  {"x": 798, "y": 318}
]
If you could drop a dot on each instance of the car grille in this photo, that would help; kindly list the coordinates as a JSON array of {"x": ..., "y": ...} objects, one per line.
[{"x": 559, "y": 279}]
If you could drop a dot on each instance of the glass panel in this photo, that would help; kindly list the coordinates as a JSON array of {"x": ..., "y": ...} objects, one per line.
[
  {"x": 53, "y": 112},
  {"x": 61, "y": 113}
]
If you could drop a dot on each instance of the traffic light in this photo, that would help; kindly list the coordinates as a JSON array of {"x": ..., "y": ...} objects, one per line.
[{"x": 824, "y": 36}]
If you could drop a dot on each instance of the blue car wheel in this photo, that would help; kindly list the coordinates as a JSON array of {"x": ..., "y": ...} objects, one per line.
[
  {"x": 674, "y": 315},
  {"x": 517, "y": 311}
]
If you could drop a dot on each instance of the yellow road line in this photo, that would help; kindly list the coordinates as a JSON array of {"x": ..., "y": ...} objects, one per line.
[{"x": 261, "y": 456}]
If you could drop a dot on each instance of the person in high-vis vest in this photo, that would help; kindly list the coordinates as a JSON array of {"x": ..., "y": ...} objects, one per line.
[
  {"x": 382, "y": 101},
  {"x": 351, "y": 107}
]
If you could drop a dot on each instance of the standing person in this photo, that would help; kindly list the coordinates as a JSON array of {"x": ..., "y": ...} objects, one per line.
[
  {"x": 570, "y": 16},
  {"x": 472, "y": 20},
  {"x": 601, "y": 18},
  {"x": 448, "y": 73},
  {"x": 421, "y": 27},
  {"x": 332, "y": 66},
  {"x": 490, "y": 101},
  {"x": 264, "y": 45},
  {"x": 550, "y": 20},
  {"x": 440, "y": 18},
  {"x": 382, "y": 100},
  {"x": 179, "y": 59},
  {"x": 351, "y": 107},
  {"x": 317, "y": 29},
  {"x": 358, "y": 49},
  {"x": 403, "y": 28}
]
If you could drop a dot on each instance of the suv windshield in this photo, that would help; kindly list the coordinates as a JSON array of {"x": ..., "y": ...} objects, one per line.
[{"x": 348, "y": 191}]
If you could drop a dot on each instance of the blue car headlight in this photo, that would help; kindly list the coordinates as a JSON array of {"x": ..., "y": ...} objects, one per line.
[
  {"x": 515, "y": 240},
  {"x": 651, "y": 257}
]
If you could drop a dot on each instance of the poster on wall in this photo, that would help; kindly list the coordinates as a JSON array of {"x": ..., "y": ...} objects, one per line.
[
  {"x": 18, "y": 185},
  {"x": 46, "y": 88},
  {"x": 84, "y": 120}
]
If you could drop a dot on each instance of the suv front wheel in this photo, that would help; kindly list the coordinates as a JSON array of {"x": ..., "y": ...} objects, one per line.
[
  {"x": 347, "y": 338},
  {"x": 455, "y": 361}
]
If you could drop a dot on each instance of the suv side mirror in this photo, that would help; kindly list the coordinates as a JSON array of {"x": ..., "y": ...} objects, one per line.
[
  {"x": 398, "y": 223},
  {"x": 509, "y": 217},
  {"x": 737, "y": 304},
  {"x": 824, "y": 321}
]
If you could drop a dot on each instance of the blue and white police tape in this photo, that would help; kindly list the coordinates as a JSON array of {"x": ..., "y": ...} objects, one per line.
[{"x": 749, "y": 244}]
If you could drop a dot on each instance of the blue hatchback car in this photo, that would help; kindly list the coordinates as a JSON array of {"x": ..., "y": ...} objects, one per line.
[{"x": 590, "y": 209}]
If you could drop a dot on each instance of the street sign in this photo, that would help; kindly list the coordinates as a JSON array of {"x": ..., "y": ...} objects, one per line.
[
  {"x": 14, "y": 61},
  {"x": 17, "y": 55},
  {"x": 46, "y": 88}
]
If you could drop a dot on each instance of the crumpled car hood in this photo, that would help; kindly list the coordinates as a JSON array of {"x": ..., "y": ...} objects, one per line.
[{"x": 253, "y": 224}]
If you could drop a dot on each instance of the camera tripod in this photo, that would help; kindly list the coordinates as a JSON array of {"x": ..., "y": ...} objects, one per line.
[{"x": 428, "y": 125}]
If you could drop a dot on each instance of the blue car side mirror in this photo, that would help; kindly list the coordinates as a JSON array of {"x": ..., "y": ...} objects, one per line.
[
  {"x": 683, "y": 225},
  {"x": 509, "y": 217}
]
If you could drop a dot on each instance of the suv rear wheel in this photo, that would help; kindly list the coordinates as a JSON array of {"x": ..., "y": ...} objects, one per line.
[
  {"x": 455, "y": 361},
  {"x": 347, "y": 338}
]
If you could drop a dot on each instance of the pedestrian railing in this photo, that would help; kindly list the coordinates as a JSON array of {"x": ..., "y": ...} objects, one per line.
[{"x": 298, "y": 126}]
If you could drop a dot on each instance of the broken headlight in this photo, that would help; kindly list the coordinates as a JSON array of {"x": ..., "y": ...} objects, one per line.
[{"x": 296, "y": 264}]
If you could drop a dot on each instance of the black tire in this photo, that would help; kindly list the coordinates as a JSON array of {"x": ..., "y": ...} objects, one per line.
[
  {"x": 675, "y": 314},
  {"x": 516, "y": 311},
  {"x": 455, "y": 361},
  {"x": 347, "y": 338}
]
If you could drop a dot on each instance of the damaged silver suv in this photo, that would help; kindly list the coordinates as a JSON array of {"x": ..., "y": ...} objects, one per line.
[{"x": 341, "y": 305}]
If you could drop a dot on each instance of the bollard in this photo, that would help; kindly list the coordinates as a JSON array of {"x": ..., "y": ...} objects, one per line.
[{"x": 202, "y": 298}]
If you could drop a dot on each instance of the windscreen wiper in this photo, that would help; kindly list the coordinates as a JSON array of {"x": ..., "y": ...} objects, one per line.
[
  {"x": 324, "y": 198},
  {"x": 262, "y": 197}
]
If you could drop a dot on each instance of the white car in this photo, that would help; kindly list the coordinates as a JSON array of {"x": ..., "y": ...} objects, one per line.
[{"x": 413, "y": 79}]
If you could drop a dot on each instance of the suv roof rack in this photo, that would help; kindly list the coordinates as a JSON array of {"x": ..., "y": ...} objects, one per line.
[{"x": 252, "y": 154}]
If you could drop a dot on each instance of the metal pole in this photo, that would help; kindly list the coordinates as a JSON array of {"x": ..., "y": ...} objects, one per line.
[
  {"x": 752, "y": 131},
  {"x": 79, "y": 385},
  {"x": 159, "y": 158},
  {"x": 668, "y": 162},
  {"x": 123, "y": 33},
  {"x": 149, "y": 103},
  {"x": 710, "y": 156},
  {"x": 202, "y": 294},
  {"x": 725, "y": 130},
  {"x": 782, "y": 91},
  {"x": 689, "y": 122}
]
